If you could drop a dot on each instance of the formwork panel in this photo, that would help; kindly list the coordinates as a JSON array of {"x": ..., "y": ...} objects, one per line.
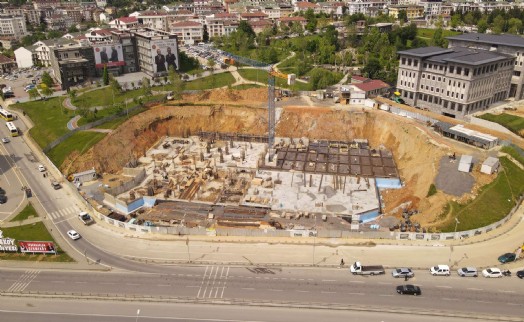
[
  {"x": 355, "y": 169},
  {"x": 366, "y": 171},
  {"x": 376, "y": 162}
]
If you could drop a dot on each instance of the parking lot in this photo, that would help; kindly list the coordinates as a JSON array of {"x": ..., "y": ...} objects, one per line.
[
  {"x": 205, "y": 52},
  {"x": 19, "y": 79}
]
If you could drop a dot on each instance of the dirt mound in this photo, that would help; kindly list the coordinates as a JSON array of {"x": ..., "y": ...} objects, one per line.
[{"x": 252, "y": 96}]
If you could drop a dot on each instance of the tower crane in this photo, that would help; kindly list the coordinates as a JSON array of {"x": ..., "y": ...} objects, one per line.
[{"x": 271, "y": 110}]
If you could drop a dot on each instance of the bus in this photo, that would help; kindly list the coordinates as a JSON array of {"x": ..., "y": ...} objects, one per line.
[
  {"x": 12, "y": 128},
  {"x": 6, "y": 115}
]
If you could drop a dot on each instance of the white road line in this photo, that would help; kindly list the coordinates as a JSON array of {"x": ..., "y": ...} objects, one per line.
[
  {"x": 443, "y": 286},
  {"x": 503, "y": 291},
  {"x": 248, "y": 288},
  {"x": 107, "y": 283},
  {"x": 62, "y": 213},
  {"x": 474, "y": 289},
  {"x": 80, "y": 282},
  {"x": 327, "y": 292},
  {"x": 328, "y": 280},
  {"x": 358, "y": 282},
  {"x": 61, "y": 282},
  {"x": 132, "y": 284},
  {"x": 224, "y": 285},
  {"x": 275, "y": 290},
  {"x": 303, "y": 291},
  {"x": 516, "y": 304},
  {"x": 449, "y": 299},
  {"x": 356, "y": 293},
  {"x": 164, "y": 285},
  {"x": 385, "y": 295},
  {"x": 202, "y": 284}
]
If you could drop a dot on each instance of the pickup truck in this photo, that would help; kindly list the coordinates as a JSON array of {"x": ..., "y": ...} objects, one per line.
[
  {"x": 85, "y": 218},
  {"x": 358, "y": 269}
]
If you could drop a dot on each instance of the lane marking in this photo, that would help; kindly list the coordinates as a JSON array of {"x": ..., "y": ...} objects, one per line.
[
  {"x": 358, "y": 282},
  {"x": 385, "y": 295},
  {"x": 248, "y": 288},
  {"x": 327, "y": 292},
  {"x": 328, "y": 280},
  {"x": 503, "y": 291},
  {"x": 301, "y": 291},
  {"x": 474, "y": 289},
  {"x": 443, "y": 286},
  {"x": 356, "y": 293}
]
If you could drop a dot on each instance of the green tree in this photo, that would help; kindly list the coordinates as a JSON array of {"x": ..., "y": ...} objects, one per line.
[
  {"x": 372, "y": 68},
  {"x": 177, "y": 84},
  {"x": 47, "y": 79},
  {"x": 205, "y": 36},
  {"x": 47, "y": 91},
  {"x": 499, "y": 25},
  {"x": 438, "y": 39},
  {"x": 146, "y": 87},
  {"x": 311, "y": 20},
  {"x": 456, "y": 20},
  {"x": 515, "y": 26},
  {"x": 482, "y": 25},
  {"x": 402, "y": 16},
  {"x": 72, "y": 94},
  {"x": 33, "y": 94},
  {"x": 115, "y": 85},
  {"x": 105, "y": 76}
]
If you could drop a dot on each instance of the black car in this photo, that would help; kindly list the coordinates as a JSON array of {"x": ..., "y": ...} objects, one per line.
[
  {"x": 409, "y": 289},
  {"x": 520, "y": 274},
  {"x": 3, "y": 199},
  {"x": 2, "y": 191}
]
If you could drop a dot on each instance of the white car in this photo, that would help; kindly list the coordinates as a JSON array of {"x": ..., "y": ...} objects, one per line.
[
  {"x": 402, "y": 272},
  {"x": 442, "y": 270},
  {"x": 41, "y": 168},
  {"x": 492, "y": 272},
  {"x": 5, "y": 140},
  {"x": 467, "y": 272},
  {"x": 73, "y": 234}
]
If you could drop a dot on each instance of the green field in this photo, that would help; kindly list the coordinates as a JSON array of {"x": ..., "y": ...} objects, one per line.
[
  {"x": 49, "y": 118},
  {"x": 511, "y": 151},
  {"x": 33, "y": 232},
  {"x": 28, "y": 211},
  {"x": 80, "y": 142},
  {"x": 513, "y": 123},
  {"x": 104, "y": 97},
  {"x": 257, "y": 75},
  {"x": 119, "y": 120},
  {"x": 426, "y": 33},
  {"x": 493, "y": 202},
  {"x": 209, "y": 82}
]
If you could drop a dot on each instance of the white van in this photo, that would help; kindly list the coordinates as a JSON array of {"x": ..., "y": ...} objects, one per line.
[{"x": 442, "y": 270}]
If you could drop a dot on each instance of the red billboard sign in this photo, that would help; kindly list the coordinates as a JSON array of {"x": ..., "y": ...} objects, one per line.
[{"x": 43, "y": 247}]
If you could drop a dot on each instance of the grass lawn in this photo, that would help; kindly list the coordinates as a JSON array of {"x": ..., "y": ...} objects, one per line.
[
  {"x": 513, "y": 123},
  {"x": 33, "y": 232},
  {"x": 261, "y": 76},
  {"x": 49, "y": 118},
  {"x": 493, "y": 202},
  {"x": 511, "y": 151},
  {"x": 119, "y": 120},
  {"x": 426, "y": 33},
  {"x": 104, "y": 97},
  {"x": 28, "y": 211},
  {"x": 208, "y": 82},
  {"x": 80, "y": 141}
]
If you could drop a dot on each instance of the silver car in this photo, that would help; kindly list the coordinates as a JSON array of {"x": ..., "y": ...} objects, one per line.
[
  {"x": 468, "y": 272},
  {"x": 402, "y": 272}
]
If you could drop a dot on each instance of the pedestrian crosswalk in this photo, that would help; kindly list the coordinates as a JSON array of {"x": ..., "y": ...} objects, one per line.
[
  {"x": 23, "y": 282},
  {"x": 64, "y": 212},
  {"x": 214, "y": 282}
]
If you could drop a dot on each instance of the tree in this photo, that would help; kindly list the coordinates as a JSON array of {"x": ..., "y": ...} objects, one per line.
[
  {"x": 482, "y": 25},
  {"x": 47, "y": 91},
  {"x": 205, "y": 36},
  {"x": 176, "y": 83},
  {"x": 33, "y": 94},
  {"x": 146, "y": 86},
  {"x": 47, "y": 79},
  {"x": 72, "y": 94},
  {"x": 105, "y": 76},
  {"x": 402, "y": 16},
  {"x": 115, "y": 85},
  {"x": 515, "y": 26},
  {"x": 456, "y": 20},
  {"x": 372, "y": 68},
  {"x": 499, "y": 25},
  {"x": 438, "y": 38},
  {"x": 73, "y": 29},
  {"x": 311, "y": 20}
]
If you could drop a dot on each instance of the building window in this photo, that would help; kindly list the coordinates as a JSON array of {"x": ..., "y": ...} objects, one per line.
[
  {"x": 425, "y": 65},
  {"x": 466, "y": 71},
  {"x": 415, "y": 63},
  {"x": 423, "y": 75},
  {"x": 461, "y": 96},
  {"x": 451, "y": 69}
]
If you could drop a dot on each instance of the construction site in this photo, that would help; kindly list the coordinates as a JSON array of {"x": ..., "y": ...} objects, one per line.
[{"x": 207, "y": 163}]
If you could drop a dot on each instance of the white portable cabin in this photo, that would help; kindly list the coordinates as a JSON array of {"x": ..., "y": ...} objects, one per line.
[
  {"x": 465, "y": 163},
  {"x": 490, "y": 165}
]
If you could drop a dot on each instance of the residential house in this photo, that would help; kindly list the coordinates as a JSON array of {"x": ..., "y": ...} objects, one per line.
[
  {"x": 124, "y": 23},
  {"x": 188, "y": 32},
  {"x": 12, "y": 26},
  {"x": 24, "y": 57},
  {"x": 6, "y": 64}
]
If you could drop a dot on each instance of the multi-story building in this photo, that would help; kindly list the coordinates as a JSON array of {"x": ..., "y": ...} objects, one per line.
[
  {"x": 188, "y": 32},
  {"x": 364, "y": 6},
  {"x": 216, "y": 23},
  {"x": 42, "y": 49},
  {"x": 154, "y": 20},
  {"x": 12, "y": 26},
  {"x": 151, "y": 43},
  {"x": 506, "y": 44},
  {"x": 432, "y": 8},
  {"x": 128, "y": 42},
  {"x": 124, "y": 23},
  {"x": 31, "y": 15},
  {"x": 455, "y": 81},
  {"x": 412, "y": 11},
  {"x": 72, "y": 64}
]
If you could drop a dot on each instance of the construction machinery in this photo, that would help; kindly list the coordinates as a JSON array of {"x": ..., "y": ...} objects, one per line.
[{"x": 272, "y": 73}]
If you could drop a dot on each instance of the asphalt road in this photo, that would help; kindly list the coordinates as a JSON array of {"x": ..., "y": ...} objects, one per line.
[
  {"x": 329, "y": 288},
  {"x": 25, "y": 310}
]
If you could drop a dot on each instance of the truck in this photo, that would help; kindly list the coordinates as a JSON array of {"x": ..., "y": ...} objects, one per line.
[
  {"x": 358, "y": 269},
  {"x": 85, "y": 218}
]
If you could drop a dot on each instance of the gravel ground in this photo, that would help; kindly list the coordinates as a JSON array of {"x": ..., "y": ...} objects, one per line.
[{"x": 452, "y": 181}]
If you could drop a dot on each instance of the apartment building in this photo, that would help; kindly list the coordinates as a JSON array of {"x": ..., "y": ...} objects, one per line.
[
  {"x": 12, "y": 26},
  {"x": 454, "y": 81},
  {"x": 412, "y": 11},
  {"x": 72, "y": 64},
  {"x": 31, "y": 15},
  {"x": 506, "y": 44},
  {"x": 188, "y": 32},
  {"x": 151, "y": 43}
]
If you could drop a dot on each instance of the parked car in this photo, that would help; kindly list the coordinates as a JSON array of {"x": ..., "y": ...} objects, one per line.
[
  {"x": 468, "y": 272},
  {"x": 3, "y": 199},
  {"x": 409, "y": 289},
  {"x": 5, "y": 140},
  {"x": 508, "y": 257},
  {"x": 520, "y": 274},
  {"x": 402, "y": 272},
  {"x": 492, "y": 272},
  {"x": 73, "y": 234},
  {"x": 41, "y": 168},
  {"x": 55, "y": 185},
  {"x": 2, "y": 191},
  {"x": 442, "y": 270}
]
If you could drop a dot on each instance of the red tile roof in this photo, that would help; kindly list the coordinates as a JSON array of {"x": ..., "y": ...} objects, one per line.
[
  {"x": 253, "y": 15},
  {"x": 5, "y": 59},
  {"x": 225, "y": 15},
  {"x": 360, "y": 78},
  {"x": 371, "y": 85},
  {"x": 128, "y": 19},
  {"x": 182, "y": 24},
  {"x": 304, "y": 5}
]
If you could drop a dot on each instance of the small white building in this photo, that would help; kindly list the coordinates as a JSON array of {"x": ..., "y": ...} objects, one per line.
[
  {"x": 24, "y": 57},
  {"x": 465, "y": 163},
  {"x": 81, "y": 177},
  {"x": 490, "y": 165}
]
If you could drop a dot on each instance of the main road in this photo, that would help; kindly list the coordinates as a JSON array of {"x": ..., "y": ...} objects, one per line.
[{"x": 292, "y": 287}]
